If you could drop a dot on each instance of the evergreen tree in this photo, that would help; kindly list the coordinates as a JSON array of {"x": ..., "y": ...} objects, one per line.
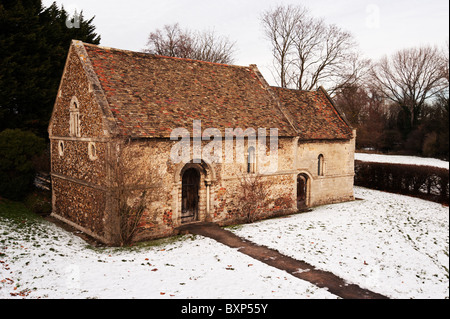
[
  {"x": 34, "y": 42},
  {"x": 18, "y": 149}
]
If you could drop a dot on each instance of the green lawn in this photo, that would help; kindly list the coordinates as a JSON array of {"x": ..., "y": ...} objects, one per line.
[{"x": 18, "y": 213}]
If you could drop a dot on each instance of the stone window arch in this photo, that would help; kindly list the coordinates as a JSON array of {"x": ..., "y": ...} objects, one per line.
[
  {"x": 61, "y": 148},
  {"x": 74, "y": 121},
  {"x": 320, "y": 165},
  {"x": 251, "y": 160},
  {"x": 92, "y": 151}
]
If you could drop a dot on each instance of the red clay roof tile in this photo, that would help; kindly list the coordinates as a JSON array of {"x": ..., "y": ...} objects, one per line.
[
  {"x": 151, "y": 95},
  {"x": 314, "y": 114}
]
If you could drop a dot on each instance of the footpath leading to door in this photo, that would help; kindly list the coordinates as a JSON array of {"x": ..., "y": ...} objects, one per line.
[{"x": 296, "y": 268}]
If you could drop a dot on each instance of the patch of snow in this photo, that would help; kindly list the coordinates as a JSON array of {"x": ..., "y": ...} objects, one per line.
[
  {"x": 391, "y": 244},
  {"x": 401, "y": 159},
  {"x": 44, "y": 261},
  {"x": 395, "y": 245}
]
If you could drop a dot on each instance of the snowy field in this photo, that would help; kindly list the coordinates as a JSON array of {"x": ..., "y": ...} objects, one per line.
[
  {"x": 394, "y": 245},
  {"x": 401, "y": 159},
  {"x": 51, "y": 263}
]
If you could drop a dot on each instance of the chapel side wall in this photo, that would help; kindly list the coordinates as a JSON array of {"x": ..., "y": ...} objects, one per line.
[
  {"x": 276, "y": 174},
  {"x": 336, "y": 183},
  {"x": 79, "y": 181},
  {"x": 149, "y": 160},
  {"x": 152, "y": 170},
  {"x": 149, "y": 172}
]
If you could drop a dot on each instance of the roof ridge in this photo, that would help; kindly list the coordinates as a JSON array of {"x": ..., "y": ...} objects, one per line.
[
  {"x": 151, "y": 104},
  {"x": 163, "y": 56},
  {"x": 315, "y": 114},
  {"x": 339, "y": 112},
  {"x": 282, "y": 88},
  {"x": 277, "y": 101}
]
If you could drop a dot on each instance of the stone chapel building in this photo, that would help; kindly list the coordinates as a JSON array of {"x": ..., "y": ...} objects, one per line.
[{"x": 110, "y": 142}]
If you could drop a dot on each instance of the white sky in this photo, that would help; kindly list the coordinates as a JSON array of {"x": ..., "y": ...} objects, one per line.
[{"x": 380, "y": 26}]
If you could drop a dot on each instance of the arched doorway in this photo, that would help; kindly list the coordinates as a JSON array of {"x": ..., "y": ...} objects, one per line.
[
  {"x": 190, "y": 195},
  {"x": 302, "y": 191}
]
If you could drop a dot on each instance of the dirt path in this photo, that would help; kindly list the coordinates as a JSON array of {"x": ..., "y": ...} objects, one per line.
[{"x": 296, "y": 268}]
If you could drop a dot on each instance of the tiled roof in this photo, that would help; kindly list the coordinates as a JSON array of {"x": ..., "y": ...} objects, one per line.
[
  {"x": 314, "y": 114},
  {"x": 151, "y": 95}
]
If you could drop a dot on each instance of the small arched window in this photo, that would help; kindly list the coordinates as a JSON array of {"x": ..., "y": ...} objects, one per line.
[
  {"x": 61, "y": 148},
  {"x": 74, "y": 124},
  {"x": 92, "y": 151},
  {"x": 320, "y": 164},
  {"x": 251, "y": 160}
]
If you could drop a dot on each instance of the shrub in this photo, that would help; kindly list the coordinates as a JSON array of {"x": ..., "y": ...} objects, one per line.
[
  {"x": 430, "y": 145},
  {"x": 253, "y": 197},
  {"x": 390, "y": 140},
  {"x": 422, "y": 181},
  {"x": 17, "y": 151},
  {"x": 39, "y": 202}
]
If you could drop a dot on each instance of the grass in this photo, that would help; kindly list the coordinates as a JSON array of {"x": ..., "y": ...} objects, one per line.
[
  {"x": 22, "y": 216},
  {"x": 17, "y": 213},
  {"x": 27, "y": 211},
  {"x": 23, "y": 226}
]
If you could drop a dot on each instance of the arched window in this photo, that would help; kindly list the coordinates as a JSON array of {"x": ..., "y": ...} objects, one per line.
[
  {"x": 92, "y": 151},
  {"x": 251, "y": 160},
  {"x": 74, "y": 125},
  {"x": 320, "y": 164},
  {"x": 61, "y": 148}
]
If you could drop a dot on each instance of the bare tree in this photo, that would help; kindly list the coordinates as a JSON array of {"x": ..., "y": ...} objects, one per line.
[
  {"x": 279, "y": 27},
  {"x": 170, "y": 41},
  {"x": 307, "y": 52},
  {"x": 210, "y": 47},
  {"x": 253, "y": 196},
  {"x": 409, "y": 78},
  {"x": 322, "y": 53},
  {"x": 367, "y": 111},
  {"x": 443, "y": 95},
  {"x": 445, "y": 62},
  {"x": 353, "y": 100},
  {"x": 133, "y": 189},
  {"x": 176, "y": 42},
  {"x": 355, "y": 71}
]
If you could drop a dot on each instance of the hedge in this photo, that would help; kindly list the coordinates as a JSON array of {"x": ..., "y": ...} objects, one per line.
[{"x": 426, "y": 182}]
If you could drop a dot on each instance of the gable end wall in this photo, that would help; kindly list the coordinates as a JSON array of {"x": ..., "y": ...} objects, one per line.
[{"x": 79, "y": 182}]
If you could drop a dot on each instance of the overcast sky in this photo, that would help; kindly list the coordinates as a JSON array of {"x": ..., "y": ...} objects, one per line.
[{"x": 380, "y": 26}]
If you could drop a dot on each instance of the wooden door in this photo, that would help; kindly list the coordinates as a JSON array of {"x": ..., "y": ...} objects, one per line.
[
  {"x": 190, "y": 196},
  {"x": 301, "y": 191}
]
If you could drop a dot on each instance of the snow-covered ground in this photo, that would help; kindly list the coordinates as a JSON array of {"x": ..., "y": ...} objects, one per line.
[
  {"x": 394, "y": 245},
  {"x": 47, "y": 262},
  {"x": 391, "y": 244},
  {"x": 401, "y": 159}
]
